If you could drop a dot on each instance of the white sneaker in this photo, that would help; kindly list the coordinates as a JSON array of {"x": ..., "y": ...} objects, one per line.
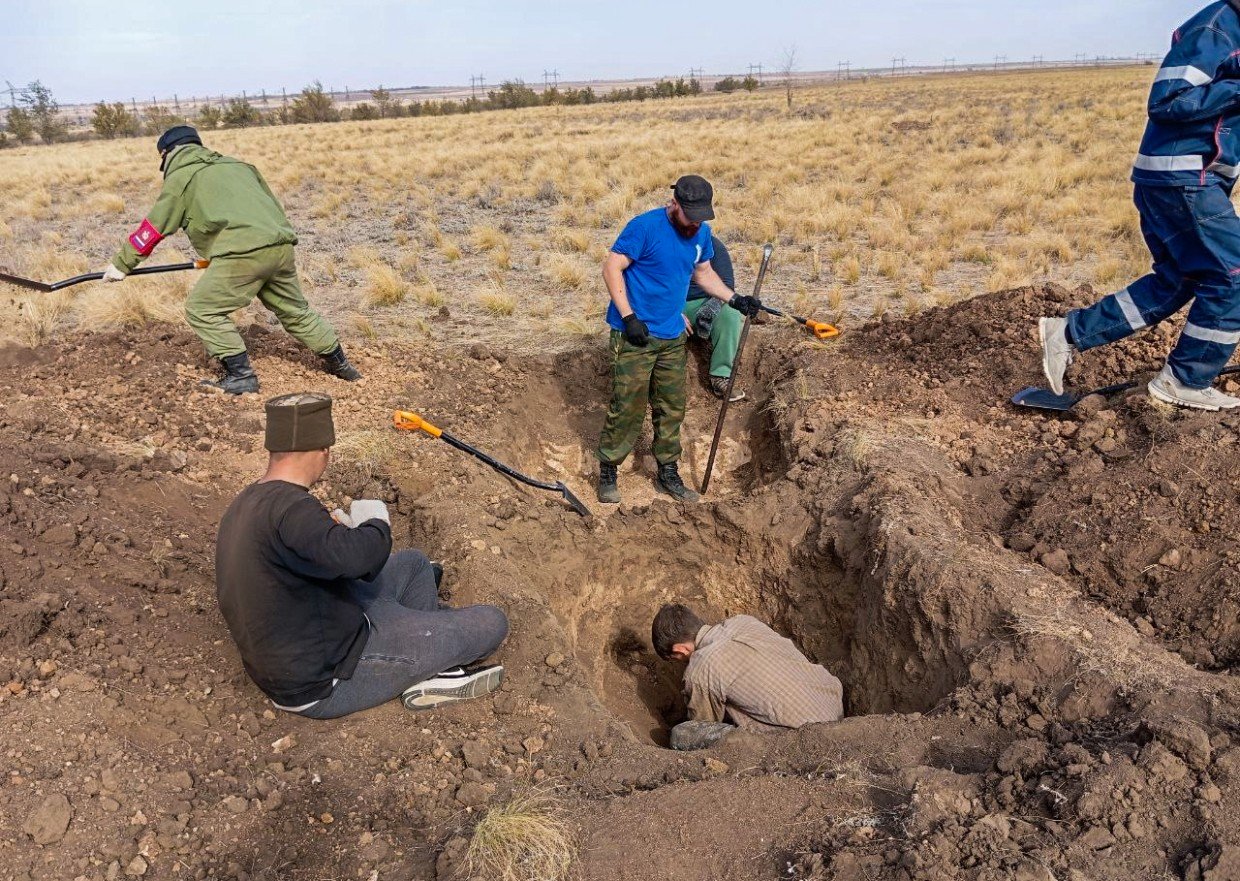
[
  {"x": 452, "y": 685},
  {"x": 1167, "y": 388},
  {"x": 1057, "y": 352}
]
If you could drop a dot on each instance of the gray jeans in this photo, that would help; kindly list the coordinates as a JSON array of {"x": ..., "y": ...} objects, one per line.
[{"x": 412, "y": 637}]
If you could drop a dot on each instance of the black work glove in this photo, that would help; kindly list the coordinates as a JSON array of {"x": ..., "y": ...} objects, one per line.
[
  {"x": 746, "y": 305},
  {"x": 635, "y": 331}
]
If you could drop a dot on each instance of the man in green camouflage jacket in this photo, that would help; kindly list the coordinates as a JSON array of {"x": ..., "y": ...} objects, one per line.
[{"x": 232, "y": 219}]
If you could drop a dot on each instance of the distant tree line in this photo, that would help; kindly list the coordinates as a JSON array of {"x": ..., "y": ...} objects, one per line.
[
  {"x": 731, "y": 84},
  {"x": 37, "y": 112}
]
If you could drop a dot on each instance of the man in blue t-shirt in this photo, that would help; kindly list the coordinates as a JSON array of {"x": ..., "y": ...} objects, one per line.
[{"x": 647, "y": 275}]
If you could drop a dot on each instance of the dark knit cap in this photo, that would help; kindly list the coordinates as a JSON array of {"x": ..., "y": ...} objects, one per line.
[
  {"x": 176, "y": 136},
  {"x": 299, "y": 422}
]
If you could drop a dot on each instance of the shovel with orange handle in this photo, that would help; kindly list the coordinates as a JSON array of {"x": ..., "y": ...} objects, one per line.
[
  {"x": 407, "y": 421},
  {"x": 820, "y": 329},
  {"x": 47, "y": 287}
]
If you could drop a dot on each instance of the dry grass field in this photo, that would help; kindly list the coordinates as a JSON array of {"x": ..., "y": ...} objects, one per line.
[{"x": 885, "y": 195}]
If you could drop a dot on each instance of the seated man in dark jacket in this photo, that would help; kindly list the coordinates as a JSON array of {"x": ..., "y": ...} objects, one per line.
[
  {"x": 717, "y": 323},
  {"x": 328, "y": 621}
]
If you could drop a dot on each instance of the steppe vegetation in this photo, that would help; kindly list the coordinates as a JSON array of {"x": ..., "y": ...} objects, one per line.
[{"x": 880, "y": 196}]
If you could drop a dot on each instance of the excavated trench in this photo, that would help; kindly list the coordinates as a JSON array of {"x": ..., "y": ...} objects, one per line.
[
  {"x": 852, "y": 561},
  {"x": 796, "y": 547}
]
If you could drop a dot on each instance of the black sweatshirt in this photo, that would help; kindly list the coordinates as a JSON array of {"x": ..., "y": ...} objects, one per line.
[
  {"x": 283, "y": 570},
  {"x": 722, "y": 264}
]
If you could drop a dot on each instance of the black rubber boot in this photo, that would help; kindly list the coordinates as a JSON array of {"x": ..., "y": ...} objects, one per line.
[
  {"x": 608, "y": 491},
  {"x": 669, "y": 482},
  {"x": 239, "y": 376},
  {"x": 336, "y": 362}
]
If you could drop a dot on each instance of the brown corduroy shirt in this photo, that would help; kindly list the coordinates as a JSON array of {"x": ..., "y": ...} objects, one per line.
[{"x": 742, "y": 671}]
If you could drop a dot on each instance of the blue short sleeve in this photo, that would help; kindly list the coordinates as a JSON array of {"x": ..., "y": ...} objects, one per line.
[
  {"x": 632, "y": 240},
  {"x": 708, "y": 246}
]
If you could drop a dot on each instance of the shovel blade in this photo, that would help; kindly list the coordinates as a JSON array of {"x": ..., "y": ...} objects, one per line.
[
  {"x": 25, "y": 282},
  {"x": 573, "y": 502},
  {"x": 1045, "y": 399}
]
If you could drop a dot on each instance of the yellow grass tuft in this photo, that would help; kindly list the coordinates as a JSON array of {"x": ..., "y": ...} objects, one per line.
[
  {"x": 133, "y": 303},
  {"x": 488, "y": 238},
  {"x": 364, "y": 257},
  {"x": 575, "y": 240},
  {"x": 384, "y": 285},
  {"x": 566, "y": 272},
  {"x": 107, "y": 203},
  {"x": 527, "y": 839},
  {"x": 498, "y": 303},
  {"x": 38, "y": 318}
]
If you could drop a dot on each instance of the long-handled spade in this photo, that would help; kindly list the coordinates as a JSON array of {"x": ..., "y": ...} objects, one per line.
[
  {"x": 736, "y": 367},
  {"x": 47, "y": 288},
  {"x": 407, "y": 421}
]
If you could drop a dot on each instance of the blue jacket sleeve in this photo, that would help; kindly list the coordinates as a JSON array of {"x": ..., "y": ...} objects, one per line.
[{"x": 1188, "y": 87}]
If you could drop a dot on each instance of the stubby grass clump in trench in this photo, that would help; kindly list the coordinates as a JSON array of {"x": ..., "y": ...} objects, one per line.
[{"x": 525, "y": 839}]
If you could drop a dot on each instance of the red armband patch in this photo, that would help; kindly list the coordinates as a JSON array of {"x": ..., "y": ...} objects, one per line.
[{"x": 145, "y": 238}]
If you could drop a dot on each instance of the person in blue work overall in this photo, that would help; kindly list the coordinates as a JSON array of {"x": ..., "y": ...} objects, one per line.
[{"x": 1183, "y": 175}]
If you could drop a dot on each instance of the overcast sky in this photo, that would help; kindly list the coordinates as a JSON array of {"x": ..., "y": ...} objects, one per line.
[{"x": 87, "y": 50}]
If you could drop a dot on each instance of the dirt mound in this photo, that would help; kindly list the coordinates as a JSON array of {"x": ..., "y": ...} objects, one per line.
[
  {"x": 995, "y": 588},
  {"x": 1128, "y": 498}
]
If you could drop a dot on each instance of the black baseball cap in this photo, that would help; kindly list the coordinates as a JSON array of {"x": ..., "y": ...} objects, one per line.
[{"x": 694, "y": 194}]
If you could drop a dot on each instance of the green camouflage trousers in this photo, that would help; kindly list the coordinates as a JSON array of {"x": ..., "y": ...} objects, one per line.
[
  {"x": 655, "y": 374},
  {"x": 230, "y": 283}
]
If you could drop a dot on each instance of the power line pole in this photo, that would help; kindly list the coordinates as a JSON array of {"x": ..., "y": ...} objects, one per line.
[
  {"x": 758, "y": 68},
  {"x": 1000, "y": 59},
  {"x": 842, "y": 70},
  {"x": 551, "y": 79},
  {"x": 12, "y": 90},
  {"x": 476, "y": 83},
  {"x": 695, "y": 73},
  {"x": 949, "y": 64},
  {"x": 903, "y": 62}
]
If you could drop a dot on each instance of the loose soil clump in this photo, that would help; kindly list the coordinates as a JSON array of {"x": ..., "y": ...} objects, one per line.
[{"x": 1013, "y": 601}]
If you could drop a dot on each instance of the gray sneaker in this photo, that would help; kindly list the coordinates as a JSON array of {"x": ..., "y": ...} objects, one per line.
[
  {"x": 1167, "y": 388},
  {"x": 1057, "y": 352},
  {"x": 719, "y": 388},
  {"x": 457, "y": 684},
  {"x": 698, "y": 735}
]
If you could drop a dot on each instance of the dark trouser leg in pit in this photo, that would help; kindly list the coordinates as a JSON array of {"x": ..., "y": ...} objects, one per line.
[{"x": 411, "y": 638}]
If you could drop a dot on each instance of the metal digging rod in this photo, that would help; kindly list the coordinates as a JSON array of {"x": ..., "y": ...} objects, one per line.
[{"x": 736, "y": 368}]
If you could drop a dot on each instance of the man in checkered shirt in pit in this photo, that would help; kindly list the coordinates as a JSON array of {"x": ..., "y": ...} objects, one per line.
[{"x": 741, "y": 674}]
